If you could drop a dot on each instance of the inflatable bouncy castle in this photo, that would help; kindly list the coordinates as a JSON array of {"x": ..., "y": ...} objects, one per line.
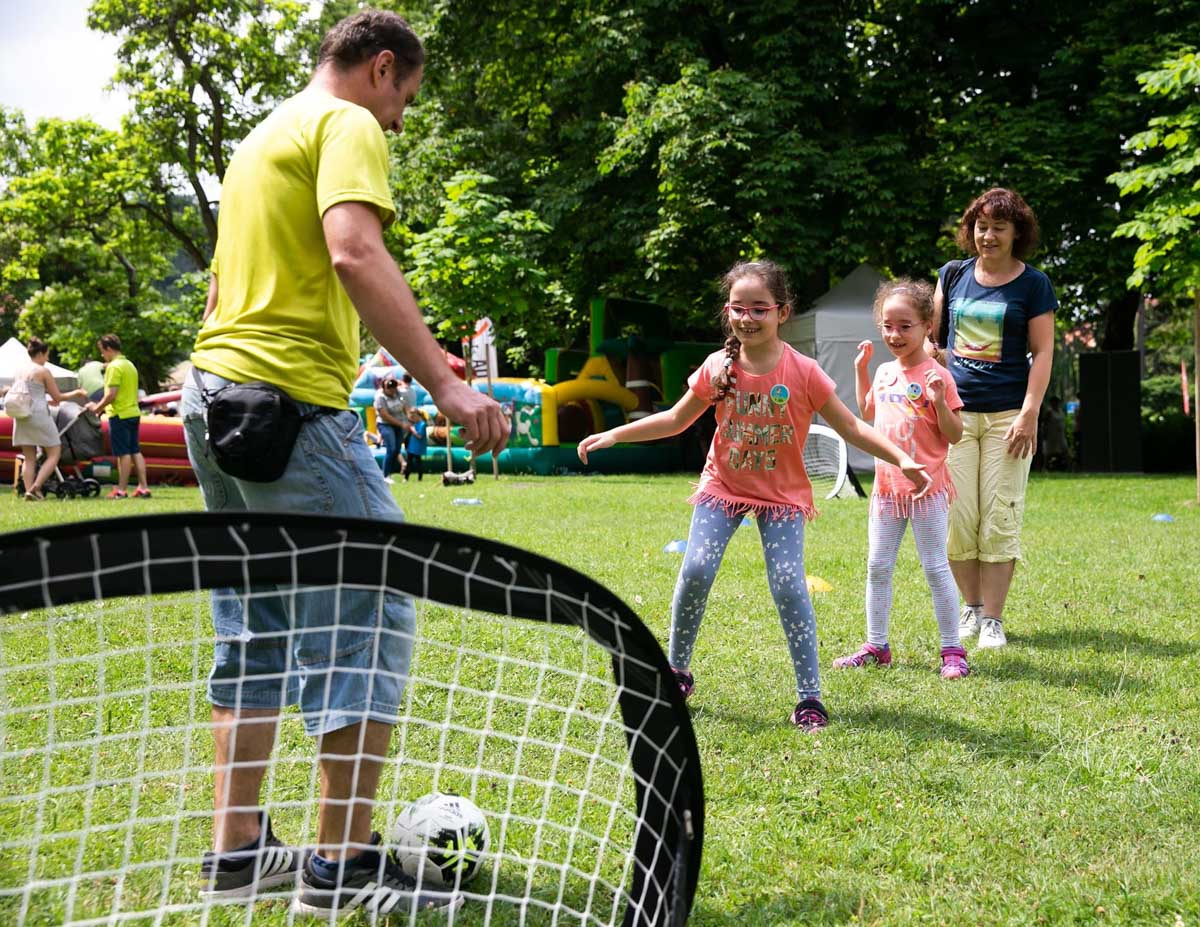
[{"x": 631, "y": 369}]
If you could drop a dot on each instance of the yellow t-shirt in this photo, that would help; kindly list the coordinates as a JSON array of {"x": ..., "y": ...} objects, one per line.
[
  {"x": 282, "y": 315},
  {"x": 122, "y": 375}
]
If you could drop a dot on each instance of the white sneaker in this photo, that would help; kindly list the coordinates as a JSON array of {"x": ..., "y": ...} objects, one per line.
[
  {"x": 389, "y": 481},
  {"x": 968, "y": 621},
  {"x": 991, "y": 633}
]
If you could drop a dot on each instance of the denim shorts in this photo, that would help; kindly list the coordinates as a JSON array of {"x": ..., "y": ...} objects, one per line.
[
  {"x": 123, "y": 435},
  {"x": 342, "y": 655}
]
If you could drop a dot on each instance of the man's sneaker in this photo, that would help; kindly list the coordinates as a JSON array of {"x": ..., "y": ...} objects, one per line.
[
  {"x": 968, "y": 621},
  {"x": 867, "y": 653},
  {"x": 249, "y": 871},
  {"x": 954, "y": 663},
  {"x": 686, "y": 682},
  {"x": 991, "y": 633},
  {"x": 810, "y": 715},
  {"x": 374, "y": 882}
]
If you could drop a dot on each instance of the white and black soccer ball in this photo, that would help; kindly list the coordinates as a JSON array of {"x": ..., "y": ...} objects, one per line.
[{"x": 441, "y": 839}]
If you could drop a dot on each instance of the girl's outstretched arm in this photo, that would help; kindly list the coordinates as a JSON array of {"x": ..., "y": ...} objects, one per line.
[
  {"x": 659, "y": 425},
  {"x": 854, "y": 431}
]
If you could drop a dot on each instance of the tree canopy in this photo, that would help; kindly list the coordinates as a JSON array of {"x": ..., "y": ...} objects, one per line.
[{"x": 559, "y": 151}]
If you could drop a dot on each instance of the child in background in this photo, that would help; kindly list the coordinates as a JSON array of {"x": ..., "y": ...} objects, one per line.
[
  {"x": 914, "y": 403},
  {"x": 415, "y": 445},
  {"x": 765, "y": 393}
]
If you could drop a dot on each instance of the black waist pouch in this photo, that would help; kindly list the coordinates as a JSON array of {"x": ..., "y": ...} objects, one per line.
[{"x": 252, "y": 428}]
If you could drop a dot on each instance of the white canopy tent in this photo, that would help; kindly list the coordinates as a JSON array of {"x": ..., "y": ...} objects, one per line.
[
  {"x": 829, "y": 333},
  {"x": 14, "y": 356}
]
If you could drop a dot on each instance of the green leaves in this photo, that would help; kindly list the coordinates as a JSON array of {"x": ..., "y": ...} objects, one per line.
[{"x": 1164, "y": 176}]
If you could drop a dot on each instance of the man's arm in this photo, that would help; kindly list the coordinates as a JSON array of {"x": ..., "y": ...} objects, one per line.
[
  {"x": 211, "y": 303},
  {"x": 384, "y": 301},
  {"x": 110, "y": 393}
]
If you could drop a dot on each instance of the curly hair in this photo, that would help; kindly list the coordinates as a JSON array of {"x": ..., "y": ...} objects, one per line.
[
  {"x": 917, "y": 292},
  {"x": 775, "y": 280},
  {"x": 999, "y": 203}
]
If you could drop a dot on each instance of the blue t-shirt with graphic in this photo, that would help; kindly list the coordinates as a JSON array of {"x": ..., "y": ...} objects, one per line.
[
  {"x": 989, "y": 335},
  {"x": 415, "y": 443}
]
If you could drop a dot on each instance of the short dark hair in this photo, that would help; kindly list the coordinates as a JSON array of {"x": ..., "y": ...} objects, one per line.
[
  {"x": 390, "y": 381},
  {"x": 364, "y": 35},
  {"x": 37, "y": 346},
  {"x": 110, "y": 341},
  {"x": 1000, "y": 203},
  {"x": 407, "y": 378}
]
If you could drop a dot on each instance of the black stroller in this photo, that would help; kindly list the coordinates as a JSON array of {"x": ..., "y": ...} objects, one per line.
[{"x": 82, "y": 440}]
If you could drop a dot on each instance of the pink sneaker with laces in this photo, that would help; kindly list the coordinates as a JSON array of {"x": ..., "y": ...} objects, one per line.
[
  {"x": 954, "y": 663},
  {"x": 867, "y": 653},
  {"x": 686, "y": 682}
]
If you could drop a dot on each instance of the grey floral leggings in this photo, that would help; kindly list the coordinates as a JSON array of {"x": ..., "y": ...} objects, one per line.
[{"x": 783, "y": 547}]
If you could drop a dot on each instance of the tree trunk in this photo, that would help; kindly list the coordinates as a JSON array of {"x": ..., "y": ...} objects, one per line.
[
  {"x": 1119, "y": 321},
  {"x": 1196, "y": 385}
]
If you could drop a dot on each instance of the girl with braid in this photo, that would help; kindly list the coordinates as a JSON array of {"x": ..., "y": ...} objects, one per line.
[{"x": 765, "y": 393}]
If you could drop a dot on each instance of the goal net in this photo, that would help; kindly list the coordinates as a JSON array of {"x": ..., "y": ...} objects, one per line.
[
  {"x": 533, "y": 691},
  {"x": 826, "y": 464}
]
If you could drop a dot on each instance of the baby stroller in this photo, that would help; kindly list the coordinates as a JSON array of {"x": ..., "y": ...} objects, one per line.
[{"x": 82, "y": 440}]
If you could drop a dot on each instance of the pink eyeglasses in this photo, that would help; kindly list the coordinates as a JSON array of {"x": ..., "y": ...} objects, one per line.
[{"x": 757, "y": 313}]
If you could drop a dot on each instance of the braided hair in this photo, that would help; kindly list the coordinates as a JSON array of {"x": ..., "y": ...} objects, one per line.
[{"x": 775, "y": 280}]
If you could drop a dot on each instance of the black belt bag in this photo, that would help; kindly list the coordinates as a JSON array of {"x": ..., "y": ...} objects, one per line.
[{"x": 252, "y": 428}]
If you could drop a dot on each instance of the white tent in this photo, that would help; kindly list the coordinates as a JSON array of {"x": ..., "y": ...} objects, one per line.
[
  {"x": 830, "y": 331},
  {"x": 14, "y": 356}
]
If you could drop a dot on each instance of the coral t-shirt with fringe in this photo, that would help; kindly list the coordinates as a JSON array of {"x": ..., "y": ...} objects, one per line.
[
  {"x": 905, "y": 415},
  {"x": 756, "y": 461}
]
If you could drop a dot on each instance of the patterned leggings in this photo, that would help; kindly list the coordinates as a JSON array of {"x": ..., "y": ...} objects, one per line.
[
  {"x": 886, "y": 531},
  {"x": 783, "y": 547}
]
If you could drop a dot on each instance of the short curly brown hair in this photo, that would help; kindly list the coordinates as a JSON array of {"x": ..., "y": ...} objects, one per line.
[
  {"x": 1000, "y": 203},
  {"x": 364, "y": 35}
]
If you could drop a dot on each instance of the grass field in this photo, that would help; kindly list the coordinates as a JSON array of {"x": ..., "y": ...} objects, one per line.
[{"x": 1058, "y": 784}]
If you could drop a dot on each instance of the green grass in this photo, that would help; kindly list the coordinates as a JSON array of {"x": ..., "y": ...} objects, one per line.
[{"x": 1057, "y": 784}]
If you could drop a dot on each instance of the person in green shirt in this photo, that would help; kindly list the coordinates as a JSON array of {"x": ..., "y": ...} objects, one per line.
[{"x": 121, "y": 392}]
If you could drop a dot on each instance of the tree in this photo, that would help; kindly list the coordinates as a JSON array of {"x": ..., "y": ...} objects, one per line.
[
  {"x": 73, "y": 255},
  {"x": 479, "y": 261},
  {"x": 1166, "y": 185}
]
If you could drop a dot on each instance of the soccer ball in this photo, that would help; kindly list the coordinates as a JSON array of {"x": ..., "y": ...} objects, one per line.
[{"x": 441, "y": 839}]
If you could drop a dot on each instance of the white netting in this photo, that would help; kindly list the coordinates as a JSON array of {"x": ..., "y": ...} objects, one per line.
[
  {"x": 106, "y": 757},
  {"x": 825, "y": 462}
]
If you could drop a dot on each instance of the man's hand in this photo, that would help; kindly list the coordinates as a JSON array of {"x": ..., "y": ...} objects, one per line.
[{"x": 485, "y": 425}]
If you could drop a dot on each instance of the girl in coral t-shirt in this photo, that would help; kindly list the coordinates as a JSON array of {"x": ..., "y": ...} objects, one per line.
[
  {"x": 915, "y": 404},
  {"x": 765, "y": 394}
]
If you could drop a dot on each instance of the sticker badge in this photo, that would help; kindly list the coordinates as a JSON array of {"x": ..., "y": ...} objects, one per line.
[
  {"x": 914, "y": 391},
  {"x": 779, "y": 394}
]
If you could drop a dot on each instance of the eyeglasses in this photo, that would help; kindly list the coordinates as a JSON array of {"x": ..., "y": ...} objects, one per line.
[{"x": 757, "y": 313}]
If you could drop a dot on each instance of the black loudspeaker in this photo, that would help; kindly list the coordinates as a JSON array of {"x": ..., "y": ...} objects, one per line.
[{"x": 1110, "y": 411}]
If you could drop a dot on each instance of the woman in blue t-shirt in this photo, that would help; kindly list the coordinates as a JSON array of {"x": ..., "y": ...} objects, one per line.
[{"x": 1001, "y": 343}]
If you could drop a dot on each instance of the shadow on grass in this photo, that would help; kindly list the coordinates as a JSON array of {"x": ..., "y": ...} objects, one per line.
[
  {"x": 825, "y": 907},
  {"x": 1108, "y": 641},
  {"x": 1016, "y": 741},
  {"x": 1100, "y": 679}
]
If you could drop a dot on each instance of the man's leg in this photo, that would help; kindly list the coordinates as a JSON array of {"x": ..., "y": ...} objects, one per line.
[
  {"x": 351, "y": 759},
  {"x": 140, "y": 463},
  {"x": 244, "y": 739},
  {"x": 124, "y": 464}
]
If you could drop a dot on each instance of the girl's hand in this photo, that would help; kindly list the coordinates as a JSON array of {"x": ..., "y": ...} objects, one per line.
[
  {"x": 594, "y": 443},
  {"x": 1022, "y": 434},
  {"x": 935, "y": 386},
  {"x": 916, "y": 473},
  {"x": 865, "y": 350}
]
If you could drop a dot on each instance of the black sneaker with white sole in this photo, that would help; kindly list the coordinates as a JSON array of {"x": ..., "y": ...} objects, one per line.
[
  {"x": 251, "y": 870},
  {"x": 373, "y": 882}
]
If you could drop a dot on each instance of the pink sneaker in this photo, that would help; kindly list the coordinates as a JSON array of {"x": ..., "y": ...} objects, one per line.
[
  {"x": 686, "y": 682},
  {"x": 810, "y": 716},
  {"x": 867, "y": 653},
  {"x": 954, "y": 663}
]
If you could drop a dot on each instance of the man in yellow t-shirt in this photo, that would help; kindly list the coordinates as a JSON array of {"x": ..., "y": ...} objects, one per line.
[
  {"x": 300, "y": 259},
  {"x": 124, "y": 421}
]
